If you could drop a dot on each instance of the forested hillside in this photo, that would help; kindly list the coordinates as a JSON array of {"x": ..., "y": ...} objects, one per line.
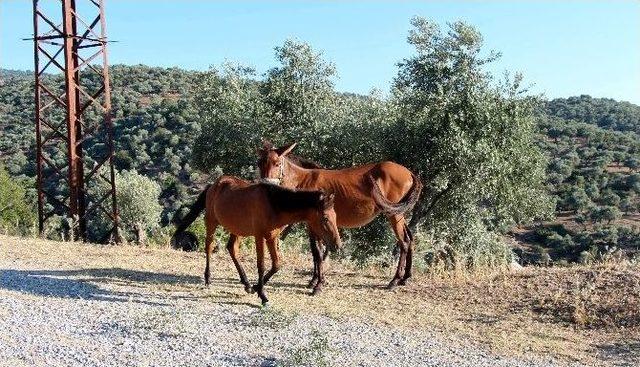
[
  {"x": 180, "y": 128},
  {"x": 155, "y": 127}
]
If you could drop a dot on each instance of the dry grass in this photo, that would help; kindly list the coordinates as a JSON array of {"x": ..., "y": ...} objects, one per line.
[{"x": 584, "y": 314}]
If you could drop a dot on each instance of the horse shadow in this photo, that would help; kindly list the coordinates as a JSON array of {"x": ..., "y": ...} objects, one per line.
[
  {"x": 83, "y": 283},
  {"x": 627, "y": 351}
]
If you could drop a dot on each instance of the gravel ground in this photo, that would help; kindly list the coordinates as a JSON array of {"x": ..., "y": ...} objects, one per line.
[
  {"x": 97, "y": 309},
  {"x": 58, "y": 318}
]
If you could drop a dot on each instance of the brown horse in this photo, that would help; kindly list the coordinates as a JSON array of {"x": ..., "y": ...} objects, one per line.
[
  {"x": 260, "y": 210},
  {"x": 362, "y": 192}
]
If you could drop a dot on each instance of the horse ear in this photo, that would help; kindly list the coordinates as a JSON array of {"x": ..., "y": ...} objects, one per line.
[
  {"x": 282, "y": 151},
  {"x": 266, "y": 144}
]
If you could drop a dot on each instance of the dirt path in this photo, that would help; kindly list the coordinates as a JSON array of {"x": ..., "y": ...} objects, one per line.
[{"x": 67, "y": 304}]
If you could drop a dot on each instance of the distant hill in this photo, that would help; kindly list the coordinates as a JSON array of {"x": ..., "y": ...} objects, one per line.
[
  {"x": 603, "y": 112},
  {"x": 10, "y": 73},
  {"x": 154, "y": 126}
]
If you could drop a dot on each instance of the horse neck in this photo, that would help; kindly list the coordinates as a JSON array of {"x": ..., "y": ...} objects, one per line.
[
  {"x": 291, "y": 206},
  {"x": 295, "y": 174},
  {"x": 292, "y": 217}
]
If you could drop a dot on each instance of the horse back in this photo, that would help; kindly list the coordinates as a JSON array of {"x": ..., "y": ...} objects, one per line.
[
  {"x": 239, "y": 206},
  {"x": 354, "y": 203},
  {"x": 394, "y": 179}
]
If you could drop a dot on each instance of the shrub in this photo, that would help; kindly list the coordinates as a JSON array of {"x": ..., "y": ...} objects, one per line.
[
  {"x": 371, "y": 244},
  {"x": 604, "y": 214},
  {"x": 17, "y": 216},
  {"x": 312, "y": 354},
  {"x": 138, "y": 204}
]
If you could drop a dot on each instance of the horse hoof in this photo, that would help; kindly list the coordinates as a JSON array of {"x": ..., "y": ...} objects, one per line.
[
  {"x": 404, "y": 281},
  {"x": 266, "y": 305},
  {"x": 248, "y": 289},
  {"x": 315, "y": 291},
  {"x": 312, "y": 283},
  {"x": 392, "y": 284},
  {"x": 254, "y": 288}
]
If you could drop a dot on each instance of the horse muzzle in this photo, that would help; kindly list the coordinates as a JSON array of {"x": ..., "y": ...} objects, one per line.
[{"x": 333, "y": 245}]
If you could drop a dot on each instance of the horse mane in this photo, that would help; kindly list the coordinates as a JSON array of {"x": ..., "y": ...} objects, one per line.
[
  {"x": 303, "y": 162},
  {"x": 290, "y": 200}
]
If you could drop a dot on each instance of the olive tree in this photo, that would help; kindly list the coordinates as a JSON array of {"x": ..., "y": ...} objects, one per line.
[
  {"x": 301, "y": 103},
  {"x": 295, "y": 101},
  {"x": 578, "y": 200},
  {"x": 232, "y": 120},
  {"x": 16, "y": 215},
  {"x": 138, "y": 204},
  {"x": 469, "y": 137}
]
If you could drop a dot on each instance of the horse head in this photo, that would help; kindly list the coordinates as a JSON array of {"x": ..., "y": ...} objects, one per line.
[
  {"x": 271, "y": 162},
  {"x": 324, "y": 224}
]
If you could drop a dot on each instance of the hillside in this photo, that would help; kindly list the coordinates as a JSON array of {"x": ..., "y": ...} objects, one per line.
[
  {"x": 592, "y": 145},
  {"x": 154, "y": 127},
  {"x": 602, "y": 112},
  {"x": 594, "y": 175}
]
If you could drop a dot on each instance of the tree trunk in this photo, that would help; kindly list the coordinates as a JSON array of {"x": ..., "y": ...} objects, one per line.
[{"x": 141, "y": 236}]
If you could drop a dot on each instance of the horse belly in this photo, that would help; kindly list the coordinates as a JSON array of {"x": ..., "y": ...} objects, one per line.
[
  {"x": 236, "y": 222},
  {"x": 238, "y": 229},
  {"x": 356, "y": 214}
]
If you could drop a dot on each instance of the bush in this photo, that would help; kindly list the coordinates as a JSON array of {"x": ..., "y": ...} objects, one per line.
[
  {"x": 371, "y": 244},
  {"x": 464, "y": 244},
  {"x": 17, "y": 216},
  {"x": 138, "y": 205},
  {"x": 605, "y": 214}
]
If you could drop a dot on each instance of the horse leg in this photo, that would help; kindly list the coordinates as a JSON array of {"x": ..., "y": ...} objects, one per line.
[
  {"x": 317, "y": 255},
  {"x": 398, "y": 225},
  {"x": 287, "y": 230},
  {"x": 233, "y": 246},
  {"x": 407, "y": 269},
  {"x": 211, "y": 225},
  {"x": 259, "y": 287},
  {"x": 325, "y": 254},
  {"x": 313, "y": 244},
  {"x": 272, "y": 246}
]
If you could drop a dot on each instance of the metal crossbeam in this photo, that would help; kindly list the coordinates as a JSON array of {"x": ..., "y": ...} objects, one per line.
[{"x": 61, "y": 120}]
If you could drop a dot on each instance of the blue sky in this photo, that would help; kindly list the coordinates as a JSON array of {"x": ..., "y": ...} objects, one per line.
[{"x": 564, "y": 47}]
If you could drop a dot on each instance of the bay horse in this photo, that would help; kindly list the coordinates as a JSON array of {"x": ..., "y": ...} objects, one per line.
[
  {"x": 260, "y": 210},
  {"x": 361, "y": 193}
]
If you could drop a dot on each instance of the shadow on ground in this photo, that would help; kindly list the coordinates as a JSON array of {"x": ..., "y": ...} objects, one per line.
[
  {"x": 627, "y": 351},
  {"x": 81, "y": 284}
]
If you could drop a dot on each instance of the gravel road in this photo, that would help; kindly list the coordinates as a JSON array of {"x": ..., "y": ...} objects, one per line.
[{"x": 98, "y": 317}]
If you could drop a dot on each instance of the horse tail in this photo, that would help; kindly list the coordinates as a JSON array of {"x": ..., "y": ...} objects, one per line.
[
  {"x": 404, "y": 205},
  {"x": 195, "y": 210}
]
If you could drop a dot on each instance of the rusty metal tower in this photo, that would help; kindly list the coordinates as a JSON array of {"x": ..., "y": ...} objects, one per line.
[{"x": 74, "y": 131}]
